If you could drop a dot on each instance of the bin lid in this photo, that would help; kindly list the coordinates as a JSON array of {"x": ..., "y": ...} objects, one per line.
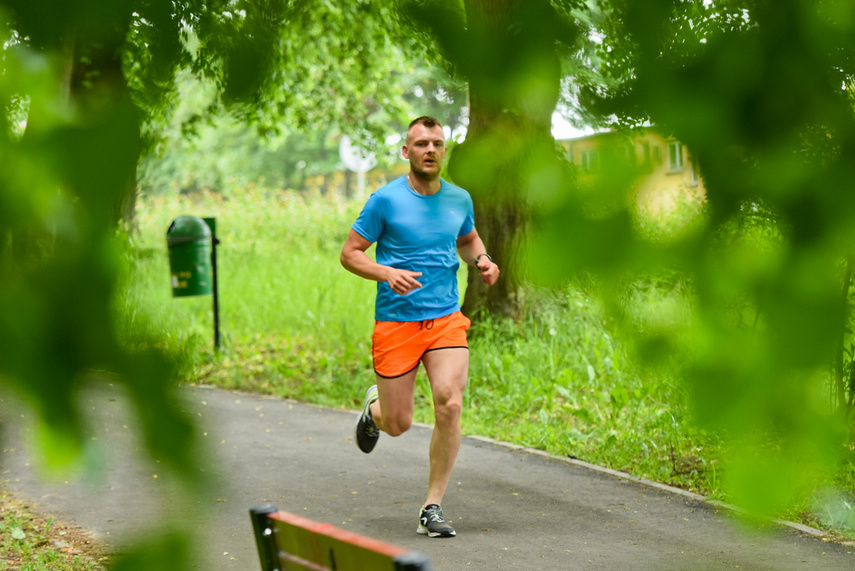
[{"x": 186, "y": 229}]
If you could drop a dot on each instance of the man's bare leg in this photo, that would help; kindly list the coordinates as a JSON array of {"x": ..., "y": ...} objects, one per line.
[
  {"x": 447, "y": 371},
  {"x": 393, "y": 410}
]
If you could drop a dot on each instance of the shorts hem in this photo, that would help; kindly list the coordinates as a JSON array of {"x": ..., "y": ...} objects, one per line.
[
  {"x": 396, "y": 376},
  {"x": 449, "y": 347}
]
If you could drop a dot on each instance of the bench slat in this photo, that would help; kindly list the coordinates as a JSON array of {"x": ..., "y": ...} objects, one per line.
[{"x": 289, "y": 542}]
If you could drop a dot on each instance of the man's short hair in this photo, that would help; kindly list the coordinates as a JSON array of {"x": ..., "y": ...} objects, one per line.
[{"x": 426, "y": 120}]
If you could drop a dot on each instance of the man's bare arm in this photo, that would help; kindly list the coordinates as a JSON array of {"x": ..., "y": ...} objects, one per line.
[
  {"x": 354, "y": 259},
  {"x": 473, "y": 252}
]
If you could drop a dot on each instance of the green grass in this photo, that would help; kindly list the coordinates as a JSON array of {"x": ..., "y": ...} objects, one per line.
[
  {"x": 296, "y": 324},
  {"x": 31, "y": 543},
  {"x": 278, "y": 273}
]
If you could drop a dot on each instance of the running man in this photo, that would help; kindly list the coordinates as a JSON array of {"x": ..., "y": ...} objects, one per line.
[{"x": 419, "y": 223}]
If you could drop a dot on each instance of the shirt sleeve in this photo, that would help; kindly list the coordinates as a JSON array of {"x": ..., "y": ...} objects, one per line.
[
  {"x": 370, "y": 224},
  {"x": 468, "y": 222}
]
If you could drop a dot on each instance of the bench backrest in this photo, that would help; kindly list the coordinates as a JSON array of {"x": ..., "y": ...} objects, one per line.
[{"x": 287, "y": 542}]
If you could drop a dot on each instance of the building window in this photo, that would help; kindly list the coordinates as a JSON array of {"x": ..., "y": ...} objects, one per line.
[
  {"x": 675, "y": 156},
  {"x": 590, "y": 160},
  {"x": 629, "y": 154},
  {"x": 645, "y": 153},
  {"x": 657, "y": 156},
  {"x": 696, "y": 172}
]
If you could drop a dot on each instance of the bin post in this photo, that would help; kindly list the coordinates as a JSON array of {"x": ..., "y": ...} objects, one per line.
[{"x": 212, "y": 224}]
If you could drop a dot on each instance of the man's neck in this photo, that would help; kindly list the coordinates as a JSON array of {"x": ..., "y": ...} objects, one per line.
[{"x": 423, "y": 186}]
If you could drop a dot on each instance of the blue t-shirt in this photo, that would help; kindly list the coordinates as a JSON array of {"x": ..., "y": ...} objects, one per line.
[{"x": 418, "y": 233}]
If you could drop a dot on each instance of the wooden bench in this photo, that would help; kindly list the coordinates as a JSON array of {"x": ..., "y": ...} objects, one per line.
[{"x": 287, "y": 542}]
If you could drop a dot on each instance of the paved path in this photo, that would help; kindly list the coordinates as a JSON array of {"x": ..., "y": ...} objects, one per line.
[{"x": 512, "y": 509}]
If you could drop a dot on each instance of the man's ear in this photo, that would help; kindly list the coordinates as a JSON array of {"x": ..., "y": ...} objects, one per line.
[{"x": 405, "y": 152}]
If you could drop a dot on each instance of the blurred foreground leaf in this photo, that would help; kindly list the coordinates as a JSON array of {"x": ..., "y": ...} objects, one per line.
[
  {"x": 759, "y": 92},
  {"x": 167, "y": 552}
]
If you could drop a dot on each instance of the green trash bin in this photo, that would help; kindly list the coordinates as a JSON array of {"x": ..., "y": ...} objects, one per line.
[{"x": 189, "y": 243}]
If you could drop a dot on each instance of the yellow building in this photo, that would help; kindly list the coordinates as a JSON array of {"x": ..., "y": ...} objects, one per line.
[{"x": 667, "y": 172}]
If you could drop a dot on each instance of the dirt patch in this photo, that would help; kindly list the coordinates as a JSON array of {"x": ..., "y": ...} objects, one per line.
[{"x": 26, "y": 535}]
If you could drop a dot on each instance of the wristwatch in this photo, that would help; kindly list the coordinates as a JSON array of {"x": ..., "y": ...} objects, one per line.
[{"x": 479, "y": 256}]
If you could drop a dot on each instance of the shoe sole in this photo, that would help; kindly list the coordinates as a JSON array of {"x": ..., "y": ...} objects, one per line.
[
  {"x": 356, "y": 439},
  {"x": 356, "y": 428},
  {"x": 422, "y": 530}
]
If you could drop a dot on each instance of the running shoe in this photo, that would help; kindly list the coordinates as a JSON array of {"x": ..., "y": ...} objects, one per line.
[
  {"x": 432, "y": 524},
  {"x": 367, "y": 433}
]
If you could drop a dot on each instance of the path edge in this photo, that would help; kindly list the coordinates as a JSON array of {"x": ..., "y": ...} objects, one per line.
[
  {"x": 802, "y": 528},
  {"x": 826, "y": 536}
]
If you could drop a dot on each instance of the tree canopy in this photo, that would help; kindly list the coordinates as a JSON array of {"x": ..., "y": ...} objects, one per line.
[
  {"x": 90, "y": 77},
  {"x": 82, "y": 87},
  {"x": 761, "y": 93}
]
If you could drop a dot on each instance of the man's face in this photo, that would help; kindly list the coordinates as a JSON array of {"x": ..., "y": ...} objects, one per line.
[{"x": 425, "y": 149}]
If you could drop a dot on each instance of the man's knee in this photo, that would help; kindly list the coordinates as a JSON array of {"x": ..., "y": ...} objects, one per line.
[
  {"x": 398, "y": 426},
  {"x": 448, "y": 406}
]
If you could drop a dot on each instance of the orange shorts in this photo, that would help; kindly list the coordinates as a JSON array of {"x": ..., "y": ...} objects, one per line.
[{"x": 397, "y": 347}]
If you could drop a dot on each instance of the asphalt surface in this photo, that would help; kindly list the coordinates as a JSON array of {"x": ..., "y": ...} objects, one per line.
[{"x": 512, "y": 508}]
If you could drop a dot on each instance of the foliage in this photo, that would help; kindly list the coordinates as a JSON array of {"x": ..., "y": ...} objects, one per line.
[
  {"x": 59, "y": 264},
  {"x": 507, "y": 53},
  {"x": 94, "y": 80},
  {"x": 567, "y": 385},
  {"x": 756, "y": 90},
  {"x": 584, "y": 68},
  {"x": 205, "y": 148},
  {"x": 753, "y": 87},
  {"x": 275, "y": 63},
  {"x": 58, "y": 255}
]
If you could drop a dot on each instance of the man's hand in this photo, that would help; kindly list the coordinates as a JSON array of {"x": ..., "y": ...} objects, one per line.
[
  {"x": 403, "y": 281},
  {"x": 354, "y": 259},
  {"x": 471, "y": 247},
  {"x": 489, "y": 270}
]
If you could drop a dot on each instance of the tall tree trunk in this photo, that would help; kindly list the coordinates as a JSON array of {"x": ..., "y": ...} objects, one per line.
[
  {"x": 514, "y": 80},
  {"x": 29, "y": 240},
  {"x": 96, "y": 83},
  {"x": 845, "y": 383}
]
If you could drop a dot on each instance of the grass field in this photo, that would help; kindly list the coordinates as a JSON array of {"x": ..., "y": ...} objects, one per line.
[{"x": 296, "y": 324}]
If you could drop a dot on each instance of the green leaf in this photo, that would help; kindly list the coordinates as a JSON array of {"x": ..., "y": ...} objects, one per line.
[
  {"x": 564, "y": 392},
  {"x": 583, "y": 414},
  {"x": 619, "y": 396}
]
